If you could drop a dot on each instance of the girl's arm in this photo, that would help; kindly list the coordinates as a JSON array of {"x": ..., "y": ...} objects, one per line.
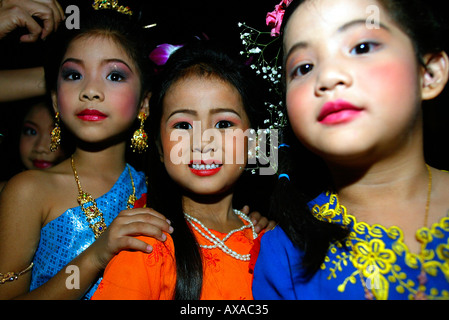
[
  {"x": 21, "y": 84},
  {"x": 20, "y": 224}
]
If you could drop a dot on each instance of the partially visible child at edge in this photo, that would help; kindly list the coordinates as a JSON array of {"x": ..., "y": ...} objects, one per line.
[
  {"x": 97, "y": 79},
  {"x": 32, "y": 144},
  {"x": 353, "y": 95},
  {"x": 201, "y": 88}
]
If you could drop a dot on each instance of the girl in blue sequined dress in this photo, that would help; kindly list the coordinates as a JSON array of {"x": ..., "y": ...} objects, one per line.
[
  {"x": 60, "y": 227},
  {"x": 357, "y": 73}
]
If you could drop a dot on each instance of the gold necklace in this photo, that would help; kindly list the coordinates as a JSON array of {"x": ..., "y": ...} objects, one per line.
[
  {"x": 422, "y": 278},
  {"x": 93, "y": 215}
]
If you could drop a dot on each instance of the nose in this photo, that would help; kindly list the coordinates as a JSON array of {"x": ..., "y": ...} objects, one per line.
[
  {"x": 205, "y": 140},
  {"x": 42, "y": 143},
  {"x": 332, "y": 76},
  {"x": 92, "y": 90},
  {"x": 205, "y": 146}
]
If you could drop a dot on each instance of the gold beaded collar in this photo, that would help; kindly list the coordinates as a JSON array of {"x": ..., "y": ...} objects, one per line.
[{"x": 93, "y": 215}]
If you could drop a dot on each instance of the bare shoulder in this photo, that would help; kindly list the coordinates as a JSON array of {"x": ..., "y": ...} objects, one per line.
[
  {"x": 23, "y": 185},
  {"x": 24, "y": 195},
  {"x": 37, "y": 191}
]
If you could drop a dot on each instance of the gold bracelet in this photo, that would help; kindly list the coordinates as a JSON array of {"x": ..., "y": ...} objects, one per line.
[{"x": 11, "y": 276}]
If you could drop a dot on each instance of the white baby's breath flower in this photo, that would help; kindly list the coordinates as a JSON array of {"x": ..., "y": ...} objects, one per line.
[{"x": 255, "y": 50}]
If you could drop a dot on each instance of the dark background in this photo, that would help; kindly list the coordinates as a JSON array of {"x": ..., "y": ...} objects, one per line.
[{"x": 176, "y": 21}]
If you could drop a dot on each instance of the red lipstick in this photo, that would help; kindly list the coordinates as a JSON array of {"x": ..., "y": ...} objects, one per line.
[
  {"x": 41, "y": 164},
  {"x": 91, "y": 115},
  {"x": 205, "y": 168},
  {"x": 338, "y": 111}
]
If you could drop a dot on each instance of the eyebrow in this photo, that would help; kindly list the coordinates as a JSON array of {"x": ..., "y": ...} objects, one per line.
[
  {"x": 188, "y": 111},
  {"x": 357, "y": 22},
  {"x": 77, "y": 61},
  {"x": 105, "y": 61},
  {"x": 296, "y": 46},
  {"x": 30, "y": 122},
  {"x": 223, "y": 110},
  {"x": 212, "y": 111},
  {"x": 343, "y": 28}
]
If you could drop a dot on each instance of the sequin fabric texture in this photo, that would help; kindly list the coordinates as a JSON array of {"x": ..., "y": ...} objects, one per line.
[{"x": 67, "y": 236}]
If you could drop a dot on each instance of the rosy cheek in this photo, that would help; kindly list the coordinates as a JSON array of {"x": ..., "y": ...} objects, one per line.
[
  {"x": 63, "y": 101},
  {"x": 175, "y": 147},
  {"x": 297, "y": 100},
  {"x": 127, "y": 103},
  {"x": 392, "y": 79}
]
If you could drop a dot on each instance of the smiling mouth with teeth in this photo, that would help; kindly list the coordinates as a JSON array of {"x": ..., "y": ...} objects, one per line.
[
  {"x": 204, "y": 166},
  {"x": 203, "y": 169}
]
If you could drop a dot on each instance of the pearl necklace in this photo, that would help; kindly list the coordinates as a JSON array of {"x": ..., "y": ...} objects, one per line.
[{"x": 220, "y": 243}]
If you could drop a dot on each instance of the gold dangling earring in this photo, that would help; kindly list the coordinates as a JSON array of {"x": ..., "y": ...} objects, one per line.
[
  {"x": 140, "y": 139},
  {"x": 55, "y": 135}
]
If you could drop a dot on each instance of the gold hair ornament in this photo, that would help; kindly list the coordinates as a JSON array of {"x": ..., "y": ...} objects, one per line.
[{"x": 111, "y": 4}]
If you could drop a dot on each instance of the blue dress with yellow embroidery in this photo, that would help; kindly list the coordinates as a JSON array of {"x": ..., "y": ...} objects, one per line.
[
  {"x": 378, "y": 260},
  {"x": 67, "y": 236}
]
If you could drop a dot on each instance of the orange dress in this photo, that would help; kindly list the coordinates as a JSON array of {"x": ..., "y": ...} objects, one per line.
[{"x": 152, "y": 276}]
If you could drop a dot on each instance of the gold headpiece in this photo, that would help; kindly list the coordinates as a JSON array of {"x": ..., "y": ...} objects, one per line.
[{"x": 111, "y": 4}]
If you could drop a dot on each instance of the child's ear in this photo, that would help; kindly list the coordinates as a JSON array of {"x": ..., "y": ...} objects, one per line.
[
  {"x": 54, "y": 100},
  {"x": 145, "y": 105},
  {"x": 435, "y": 75}
]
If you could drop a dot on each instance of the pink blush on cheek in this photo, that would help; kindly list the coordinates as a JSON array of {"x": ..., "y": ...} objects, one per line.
[
  {"x": 297, "y": 100},
  {"x": 126, "y": 105},
  {"x": 393, "y": 79}
]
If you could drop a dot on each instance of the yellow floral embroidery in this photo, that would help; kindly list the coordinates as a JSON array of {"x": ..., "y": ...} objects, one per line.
[
  {"x": 378, "y": 264},
  {"x": 373, "y": 254}
]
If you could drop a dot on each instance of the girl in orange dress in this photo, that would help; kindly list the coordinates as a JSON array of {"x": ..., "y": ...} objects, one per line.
[{"x": 202, "y": 93}]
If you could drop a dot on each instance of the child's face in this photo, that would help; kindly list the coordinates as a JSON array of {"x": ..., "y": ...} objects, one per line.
[
  {"x": 206, "y": 120},
  {"x": 352, "y": 90},
  {"x": 98, "y": 93},
  {"x": 35, "y": 139}
]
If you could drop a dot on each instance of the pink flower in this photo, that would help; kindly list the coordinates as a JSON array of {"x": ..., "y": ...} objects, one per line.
[
  {"x": 162, "y": 52},
  {"x": 274, "y": 18}
]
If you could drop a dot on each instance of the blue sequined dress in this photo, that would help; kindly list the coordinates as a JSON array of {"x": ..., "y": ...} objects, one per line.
[
  {"x": 67, "y": 236},
  {"x": 376, "y": 254}
]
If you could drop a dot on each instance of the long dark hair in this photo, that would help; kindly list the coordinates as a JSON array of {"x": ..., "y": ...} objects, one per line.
[
  {"x": 309, "y": 175},
  {"x": 204, "y": 59}
]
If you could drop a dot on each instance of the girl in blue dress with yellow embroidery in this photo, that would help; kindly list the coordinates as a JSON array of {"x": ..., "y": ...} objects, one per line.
[
  {"x": 98, "y": 89},
  {"x": 354, "y": 90}
]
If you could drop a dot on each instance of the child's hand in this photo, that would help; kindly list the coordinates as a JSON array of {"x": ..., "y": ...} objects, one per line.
[
  {"x": 259, "y": 221},
  {"x": 120, "y": 235}
]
